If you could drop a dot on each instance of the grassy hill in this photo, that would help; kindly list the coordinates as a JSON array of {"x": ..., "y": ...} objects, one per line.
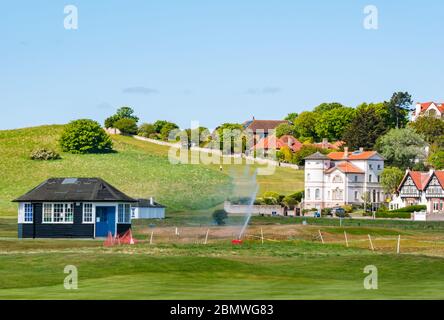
[{"x": 138, "y": 168}]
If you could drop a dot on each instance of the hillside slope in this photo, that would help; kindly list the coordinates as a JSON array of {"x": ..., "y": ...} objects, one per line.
[
  {"x": 138, "y": 168},
  {"x": 137, "y": 171}
]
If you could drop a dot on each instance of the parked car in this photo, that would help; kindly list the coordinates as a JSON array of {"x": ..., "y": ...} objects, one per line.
[{"x": 338, "y": 212}]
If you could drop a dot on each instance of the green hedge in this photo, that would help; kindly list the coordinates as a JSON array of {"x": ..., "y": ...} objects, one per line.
[
  {"x": 411, "y": 208},
  {"x": 392, "y": 214}
]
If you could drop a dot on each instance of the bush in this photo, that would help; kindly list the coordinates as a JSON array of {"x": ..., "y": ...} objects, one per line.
[
  {"x": 411, "y": 208},
  {"x": 219, "y": 217},
  {"x": 85, "y": 136},
  {"x": 44, "y": 154},
  {"x": 348, "y": 208},
  {"x": 126, "y": 126},
  {"x": 146, "y": 130},
  {"x": 391, "y": 214},
  {"x": 325, "y": 211}
]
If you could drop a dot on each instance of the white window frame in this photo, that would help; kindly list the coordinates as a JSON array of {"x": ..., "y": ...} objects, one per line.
[
  {"x": 125, "y": 214},
  {"x": 85, "y": 205},
  {"x": 62, "y": 213},
  {"x": 25, "y": 212}
]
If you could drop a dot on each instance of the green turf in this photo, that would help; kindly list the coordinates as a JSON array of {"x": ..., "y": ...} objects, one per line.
[
  {"x": 288, "y": 270},
  {"x": 138, "y": 168}
]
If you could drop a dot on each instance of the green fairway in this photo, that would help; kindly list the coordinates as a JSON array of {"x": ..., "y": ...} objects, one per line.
[{"x": 288, "y": 270}]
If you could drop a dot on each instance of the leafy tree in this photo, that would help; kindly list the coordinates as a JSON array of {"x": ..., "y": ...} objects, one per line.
[
  {"x": 159, "y": 124},
  {"x": 126, "y": 112},
  {"x": 85, "y": 136},
  {"x": 285, "y": 154},
  {"x": 391, "y": 178},
  {"x": 219, "y": 216},
  {"x": 293, "y": 199},
  {"x": 234, "y": 132},
  {"x": 285, "y": 129},
  {"x": 431, "y": 128},
  {"x": 437, "y": 160},
  {"x": 325, "y": 107},
  {"x": 365, "y": 129},
  {"x": 167, "y": 129},
  {"x": 398, "y": 109},
  {"x": 305, "y": 151},
  {"x": 126, "y": 126},
  {"x": 122, "y": 113},
  {"x": 305, "y": 125},
  {"x": 146, "y": 130},
  {"x": 291, "y": 117},
  {"x": 400, "y": 147},
  {"x": 199, "y": 136},
  {"x": 332, "y": 123}
]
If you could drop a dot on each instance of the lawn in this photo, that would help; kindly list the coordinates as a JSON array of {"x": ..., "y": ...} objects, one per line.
[
  {"x": 138, "y": 168},
  {"x": 287, "y": 270}
]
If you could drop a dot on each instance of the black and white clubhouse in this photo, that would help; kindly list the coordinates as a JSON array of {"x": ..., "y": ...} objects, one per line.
[{"x": 73, "y": 208}]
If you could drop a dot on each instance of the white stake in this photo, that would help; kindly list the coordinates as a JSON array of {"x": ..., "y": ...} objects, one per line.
[
  {"x": 151, "y": 238},
  {"x": 398, "y": 249},
  {"x": 206, "y": 236},
  {"x": 177, "y": 231},
  {"x": 320, "y": 234},
  {"x": 262, "y": 236},
  {"x": 346, "y": 240},
  {"x": 371, "y": 243}
]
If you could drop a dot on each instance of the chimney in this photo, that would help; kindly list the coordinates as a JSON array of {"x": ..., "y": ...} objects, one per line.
[
  {"x": 152, "y": 201},
  {"x": 290, "y": 142},
  {"x": 361, "y": 149},
  {"x": 345, "y": 152},
  {"x": 325, "y": 143}
]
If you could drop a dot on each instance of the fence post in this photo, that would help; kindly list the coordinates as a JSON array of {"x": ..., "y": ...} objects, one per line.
[
  {"x": 151, "y": 238},
  {"x": 346, "y": 240},
  {"x": 262, "y": 236},
  {"x": 371, "y": 243},
  {"x": 320, "y": 234},
  {"x": 398, "y": 248},
  {"x": 206, "y": 236}
]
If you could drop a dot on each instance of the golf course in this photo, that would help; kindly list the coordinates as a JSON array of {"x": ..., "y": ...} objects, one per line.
[{"x": 186, "y": 256}]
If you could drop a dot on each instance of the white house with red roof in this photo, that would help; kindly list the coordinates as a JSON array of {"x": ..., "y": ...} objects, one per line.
[
  {"x": 343, "y": 178},
  {"x": 430, "y": 109},
  {"x": 421, "y": 188}
]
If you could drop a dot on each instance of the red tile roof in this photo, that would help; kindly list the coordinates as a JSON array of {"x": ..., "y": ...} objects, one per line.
[
  {"x": 421, "y": 179},
  {"x": 328, "y": 145},
  {"x": 345, "y": 167},
  {"x": 272, "y": 143},
  {"x": 265, "y": 124},
  {"x": 364, "y": 155},
  {"x": 426, "y": 105}
]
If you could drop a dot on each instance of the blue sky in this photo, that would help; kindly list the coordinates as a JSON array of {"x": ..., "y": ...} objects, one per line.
[{"x": 212, "y": 61}]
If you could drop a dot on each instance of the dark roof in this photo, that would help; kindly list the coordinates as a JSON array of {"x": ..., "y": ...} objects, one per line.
[
  {"x": 75, "y": 189},
  {"x": 146, "y": 203},
  {"x": 317, "y": 156},
  {"x": 264, "y": 124}
]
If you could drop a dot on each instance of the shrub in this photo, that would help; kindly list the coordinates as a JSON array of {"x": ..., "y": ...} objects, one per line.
[
  {"x": 219, "y": 217},
  {"x": 146, "y": 130},
  {"x": 348, "y": 208},
  {"x": 325, "y": 211},
  {"x": 391, "y": 214},
  {"x": 85, "y": 136},
  {"x": 413, "y": 208},
  {"x": 44, "y": 154},
  {"x": 126, "y": 126}
]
